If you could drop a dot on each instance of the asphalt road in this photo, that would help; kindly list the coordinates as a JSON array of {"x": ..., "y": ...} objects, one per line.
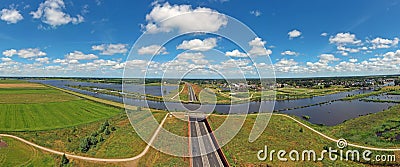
[
  {"x": 202, "y": 145},
  {"x": 192, "y": 95}
]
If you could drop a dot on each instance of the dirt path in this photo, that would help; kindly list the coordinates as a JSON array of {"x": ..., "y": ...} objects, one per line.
[
  {"x": 90, "y": 158},
  {"x": 336, "y": 140},
  {"x": 330, "y": 138}
]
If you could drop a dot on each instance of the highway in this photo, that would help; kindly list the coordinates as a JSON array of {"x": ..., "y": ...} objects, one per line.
[
  {"x": 192, "y": 94},
  {"x": 200, "y": 146},
  {"x": 201, "y": 140}
]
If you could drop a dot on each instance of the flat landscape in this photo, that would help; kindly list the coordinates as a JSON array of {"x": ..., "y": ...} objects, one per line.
[
  {"x": 29, "y": 107},
  {"x": 83, "y": 125}
]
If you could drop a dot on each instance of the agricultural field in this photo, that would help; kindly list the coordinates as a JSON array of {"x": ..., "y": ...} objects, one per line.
[
  {"x": 72, "y": 121},
  {"x": 31, "y": 107}
]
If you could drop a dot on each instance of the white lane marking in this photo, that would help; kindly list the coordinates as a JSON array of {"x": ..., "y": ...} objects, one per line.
[
  {"x": 202, "y": 147},
  {"x": 213, "y": 147}
]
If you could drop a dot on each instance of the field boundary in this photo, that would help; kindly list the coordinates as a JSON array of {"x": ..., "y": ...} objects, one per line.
[{"x": 90, "y": 158}]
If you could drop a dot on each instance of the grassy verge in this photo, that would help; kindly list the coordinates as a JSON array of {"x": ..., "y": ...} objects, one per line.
[
  {"x": 156, "y": 158},
  {"x": 281, "y": 134}
]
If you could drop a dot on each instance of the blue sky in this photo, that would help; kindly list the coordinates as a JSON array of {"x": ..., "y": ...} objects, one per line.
[{"x": 300, "y": 38}]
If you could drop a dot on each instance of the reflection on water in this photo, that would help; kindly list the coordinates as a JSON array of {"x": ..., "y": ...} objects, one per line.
[
  {"x": 336, "y": 112},
  {"x": 151, "y": 90},
  {"x": 385, "y": 97},
  {"x": 331, "y": 113}
]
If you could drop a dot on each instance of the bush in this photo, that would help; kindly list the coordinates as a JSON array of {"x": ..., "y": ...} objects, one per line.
[
  {"x": 93, "y": 140},
  {"x": 101, "y": 138},
  {"x": 106, "y": 123},
  {"x": 95, "y": 134},
  {"x": 85, "y": 145},
  {"x": 64, "y": 160},
  {"x": 107, "y": 131}
]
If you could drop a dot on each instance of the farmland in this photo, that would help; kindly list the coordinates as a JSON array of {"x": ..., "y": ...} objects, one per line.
[
  {"x": 30, "y": 107},
  {"x": 63, "y": 120}
]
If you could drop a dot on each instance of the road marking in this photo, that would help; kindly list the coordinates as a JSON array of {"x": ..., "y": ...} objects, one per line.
[
  {"x": 202, "y": 146},
  {"x": 213, "y": 147}
]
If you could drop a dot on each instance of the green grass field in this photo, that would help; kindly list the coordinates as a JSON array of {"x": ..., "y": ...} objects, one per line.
[
  {"x": 157, "y": 158},
  {"x": 43, "y": 108},
  {"x": 20, "y": 154},
  {"x": 52, "y": 115},
  {"x": 11, "y": 81}
]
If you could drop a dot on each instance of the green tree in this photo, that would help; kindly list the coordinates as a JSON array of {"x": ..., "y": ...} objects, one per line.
[
  {"x": 93, "y": 140},
  {"x": 101, "y": 138},
  {"x": 107, "y": 131},
  {"x": 84, "y": 145},
  {"x": 106, "y": 123},
  {"x": 64, "y": 160},
  {"x": 113, "y": 128}
]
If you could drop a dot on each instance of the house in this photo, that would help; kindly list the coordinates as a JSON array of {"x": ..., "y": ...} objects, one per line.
[{"x": 389, "y": 82}]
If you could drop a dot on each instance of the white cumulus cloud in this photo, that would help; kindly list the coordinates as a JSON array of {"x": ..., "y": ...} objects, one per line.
[
  {"x": 43, "y": 60},
  {"x": 344, "y": 38},
  {"x": 9, "y": 53},
  {"x": 353, "y": 60},
  {"x": 24, "y": 53},
  {"x": 294, "y": 34},
  {"x": 152, "y": 50},
  {"x": 290, "y": 53},
  {"x": 257, "y": 48},
  {"x": 111, "y": 49},
  {"x": 236, "y": 53},
  {"x": 6, "y": 59},
  {"x": 78, "y": 55},
  {"x": 326, "y": 58},
  {"x": 383, "y": 43},
  {"x": 51, "y": 13},
  {"x": 198, "y": 19},
  {"x": 11, "y": 16},
  {"x": 198, "y": 44}
]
